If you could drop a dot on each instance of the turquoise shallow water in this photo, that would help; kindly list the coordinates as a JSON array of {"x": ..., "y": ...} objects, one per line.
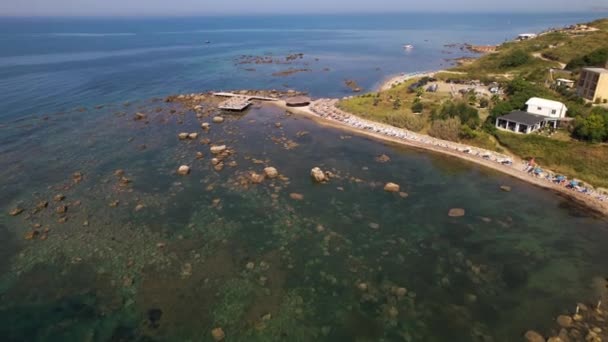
[{"x": 212, "y": 250}]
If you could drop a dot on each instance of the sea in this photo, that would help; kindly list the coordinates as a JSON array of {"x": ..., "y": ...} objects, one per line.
[{"x": 102, "y": 240}]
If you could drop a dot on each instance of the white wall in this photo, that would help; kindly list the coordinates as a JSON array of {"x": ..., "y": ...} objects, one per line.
[{"x": 547, "y": 111}]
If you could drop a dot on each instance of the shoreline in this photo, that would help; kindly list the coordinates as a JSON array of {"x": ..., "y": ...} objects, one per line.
[
  {"x": 515, "y": 170},
  {"x": 393, "y": 80}
]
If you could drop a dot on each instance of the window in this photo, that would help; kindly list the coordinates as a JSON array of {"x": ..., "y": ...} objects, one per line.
[
  {"x": 554, "y": 111},
  {"x": 539, "y": 108}
]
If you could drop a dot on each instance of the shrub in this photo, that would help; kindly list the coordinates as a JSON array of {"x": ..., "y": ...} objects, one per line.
[
  {"x": 467, "y": 114},
  {"x": 484, "y": 102},
  {"x": 594, "y": 58},
  {"x": 514, "y": 59},
  {"x": 467, "y": 133},
  {"x": 592, "y": 128},
  {"x": 417, "y": 107},
  {"x": 446, "y": 129},
  {"x": 412, "y": 122}
]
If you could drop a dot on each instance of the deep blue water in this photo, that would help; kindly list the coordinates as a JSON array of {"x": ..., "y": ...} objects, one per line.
[{"x": 51, "y": 64}]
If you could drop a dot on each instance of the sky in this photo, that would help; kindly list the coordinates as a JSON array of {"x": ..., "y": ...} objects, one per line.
[{"x": 218, "y": 7}]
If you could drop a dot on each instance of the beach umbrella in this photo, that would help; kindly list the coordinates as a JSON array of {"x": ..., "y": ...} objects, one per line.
[
  {"x": 561, "y": 178},
  {"x": 573, "y": 183},
  {"x": 538, "y": 170}
]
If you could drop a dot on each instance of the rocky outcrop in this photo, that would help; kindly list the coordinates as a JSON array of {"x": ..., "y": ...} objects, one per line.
[{"x": 183, "y": 136}]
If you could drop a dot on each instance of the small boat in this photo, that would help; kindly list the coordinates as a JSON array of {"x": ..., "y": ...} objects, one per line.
[
  {"x": 207, "y": 42},
  {"x": 408, "y": 46}
]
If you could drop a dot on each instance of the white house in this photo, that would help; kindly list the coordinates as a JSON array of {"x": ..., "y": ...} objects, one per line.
[
  {"x": 540, "y": 113},
  {"x": 551, "y": 109},
  {"x": 526, "y": 36}
]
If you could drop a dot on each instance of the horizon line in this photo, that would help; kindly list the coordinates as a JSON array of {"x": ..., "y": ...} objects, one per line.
[{"x": 294, "y": 14}]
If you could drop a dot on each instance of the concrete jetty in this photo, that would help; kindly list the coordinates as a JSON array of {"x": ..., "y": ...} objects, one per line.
[{"x": 237, "y": 102}]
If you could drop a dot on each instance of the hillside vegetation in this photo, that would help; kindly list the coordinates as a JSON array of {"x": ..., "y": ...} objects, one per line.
[{"x": 522, "y": 70}]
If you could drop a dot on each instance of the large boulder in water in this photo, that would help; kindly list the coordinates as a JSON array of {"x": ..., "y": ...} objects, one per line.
[
  {"x": 318, "y": 175},
  {"x": 391, "y": 187},
  {"x": 271, "y": 172},
  {"x": 218, "y": 149},
  {"x": 183, "y": 170}
]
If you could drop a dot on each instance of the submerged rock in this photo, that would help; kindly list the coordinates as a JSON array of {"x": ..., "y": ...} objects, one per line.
[
  {"x": 192, "y": 136},
  {"x": 59, "y": 197},
  {"x": 505, "y": 188},
  {"x": 403, "y": 195},
  {"x": 183, "y": 170},
  {"x": 564, "y": 321},
  {"x": 533, "y": 336},
  {"x": 374, "y": 226},
  {"x": 31, "y": 235},
  {"x": 140, "y": 116},
  {"x": 15, "y": 211},
  {"x": 383, "y": 159},
  {"x": 391, "y": 187},
  {"x": 296, "y": 196},
  {"x": 256, "y": 178},
  {"x": 271, "y": 172},
  {"x": 218, "y": 119},
  {"x": 77, "y": 177},
  {"x": 42, "y": 205},
  {"x": 456, "y": 212},
  {"x": 218, "y": 334},
  {"x": 183, "y": 136},
  {"x": 318, "y": 175},
  {"x": 205, "y": 125}
]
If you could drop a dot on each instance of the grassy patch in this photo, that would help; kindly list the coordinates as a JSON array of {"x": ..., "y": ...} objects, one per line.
[
  {"x": 394, "y": 106},
  {"x": 575, "y": 159}
]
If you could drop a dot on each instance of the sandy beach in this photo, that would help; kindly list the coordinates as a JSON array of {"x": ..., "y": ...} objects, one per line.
[{"x": 515, "y": 168}]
